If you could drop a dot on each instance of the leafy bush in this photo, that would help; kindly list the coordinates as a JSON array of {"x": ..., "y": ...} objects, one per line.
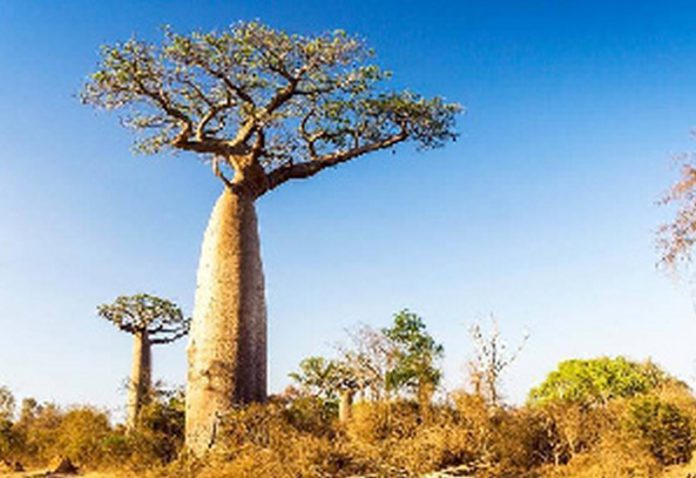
[
  {"x": 598, "y": 381},
  {"x": 81, "y": 436},
  {"x": 159, "y": 436},
  {"x": 45, "y": 432},
  {"x": 666, "y": 430}
]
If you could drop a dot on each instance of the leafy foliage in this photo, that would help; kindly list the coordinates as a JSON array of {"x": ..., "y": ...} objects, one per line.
[
  {"x": 323, "y": 378},
  {"x": 255, "y": 98},
  {"x": 415, "y": 355},
  {"x": 597, "y": 381},
  {"x": 667, "y": 430}
]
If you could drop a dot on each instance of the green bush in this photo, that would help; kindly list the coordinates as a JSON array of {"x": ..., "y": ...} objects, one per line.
[
  {"x": 81, "y": 436},
  {"x": 666, "y": 430},
  {"x": 598, "y": 381},
  {"x": 159, "y": 435}
]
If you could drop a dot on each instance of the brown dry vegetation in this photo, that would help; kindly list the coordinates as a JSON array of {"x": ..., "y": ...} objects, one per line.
[
  {"x": 597, "y": 418},
  {"x": 295, "y": 437}
]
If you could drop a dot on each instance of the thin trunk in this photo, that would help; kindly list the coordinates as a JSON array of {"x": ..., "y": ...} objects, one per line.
[
  {"x": 345, "y": 406},
  {"x": 140, "y": 379},
  {"x": 227, "y": 347},
  {"x": 425, "y": 396}
]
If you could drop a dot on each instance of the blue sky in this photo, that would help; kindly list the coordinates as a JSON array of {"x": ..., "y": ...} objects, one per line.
[{"x": 543, "y": 213}]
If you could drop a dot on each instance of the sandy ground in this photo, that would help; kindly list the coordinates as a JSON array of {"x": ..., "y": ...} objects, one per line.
[{"x": 686, "y": 471}]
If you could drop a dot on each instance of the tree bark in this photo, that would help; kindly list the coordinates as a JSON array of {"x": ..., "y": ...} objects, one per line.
[
  {"x": 227, "y": 345},
  {"x": 425, "y": 396},
  {"x": 140, "y": 379},
  {"x": 345, "y": 406}
]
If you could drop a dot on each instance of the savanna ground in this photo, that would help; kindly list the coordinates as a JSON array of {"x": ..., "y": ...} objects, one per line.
[{"x": 591, "y": 418}]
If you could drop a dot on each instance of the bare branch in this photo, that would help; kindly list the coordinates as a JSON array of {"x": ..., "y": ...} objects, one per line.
[{"x": 310, "y": 168}]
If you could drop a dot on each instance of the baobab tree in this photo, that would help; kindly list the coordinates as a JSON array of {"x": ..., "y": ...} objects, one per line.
[
  {"x": 152, "y": 321},
  {"x": 330, "y": 380},
  {"x": 263, "y": 107}
]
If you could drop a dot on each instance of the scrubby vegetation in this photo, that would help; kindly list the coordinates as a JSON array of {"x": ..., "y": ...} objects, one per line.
[{"x": 603, "y": 417}]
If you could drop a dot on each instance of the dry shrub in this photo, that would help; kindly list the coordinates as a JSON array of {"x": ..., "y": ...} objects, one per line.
[
  {"x": 635, "y": 438},
  {"x": 159, "y": 436},
  {"x": 311, "y": 414},
  {"x": 467, "y": 436},
  {"x": 431, "y": 448},
  {"x": 262, "y": 441},
  {"x": 81, "y": 434},
  {"x": 299, "y": 438},
  {"x": 664, "y": 428},
  {"x": 618, "y": 455},
  {"x": 523, "y": 440},
  {"x": 84, "y": 435},
  {"x": 373, "y": 422}
]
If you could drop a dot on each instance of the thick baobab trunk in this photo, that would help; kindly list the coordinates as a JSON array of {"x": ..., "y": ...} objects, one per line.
[
  {"x": 345, "y": 406},
  {"x": 140, "y": 379},
  {"x": 227, "y": 345}
]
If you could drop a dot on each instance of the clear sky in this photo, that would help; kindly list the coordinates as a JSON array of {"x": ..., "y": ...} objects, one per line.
[{"x": 543, "y": 213}]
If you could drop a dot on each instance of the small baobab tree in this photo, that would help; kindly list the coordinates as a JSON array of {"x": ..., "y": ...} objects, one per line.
[
  {"x": 264, "y": 107},
  {"x": 330, "y": 380},
  {"x": 152, "y": 321},
  {"x": 369, "y": 356}
]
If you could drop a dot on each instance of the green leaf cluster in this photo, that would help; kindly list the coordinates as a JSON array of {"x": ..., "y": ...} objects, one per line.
[
  {"x": 415, "y": 354},
  {"x": 597, "y": 381},
  {"x": 252, "y": 89}
]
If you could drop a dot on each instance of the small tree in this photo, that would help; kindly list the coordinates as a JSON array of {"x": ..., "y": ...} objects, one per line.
[
  {"x": 265, "y": 107},
  {"x": 369, "y": 356},
  {"x": 152, "y": 321},
  {"x": 491, "y": 358},
  {"x": 319, "y": 377},
  {"x": 330, "y": 380},
  {"x": 416, "y": 355}
]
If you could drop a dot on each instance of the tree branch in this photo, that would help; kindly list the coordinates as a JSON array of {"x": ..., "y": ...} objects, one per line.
[{"x": 310, "y": 168}]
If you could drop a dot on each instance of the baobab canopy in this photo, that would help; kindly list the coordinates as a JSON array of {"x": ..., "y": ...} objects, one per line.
[
  {"x": 161, "y": 319},
  {"x": 267, "y": 105}
]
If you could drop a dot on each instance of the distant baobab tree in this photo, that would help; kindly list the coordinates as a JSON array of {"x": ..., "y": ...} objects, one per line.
[
  {"x": 152, "y": 321},
  {"x": 263, "y": 107}
]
